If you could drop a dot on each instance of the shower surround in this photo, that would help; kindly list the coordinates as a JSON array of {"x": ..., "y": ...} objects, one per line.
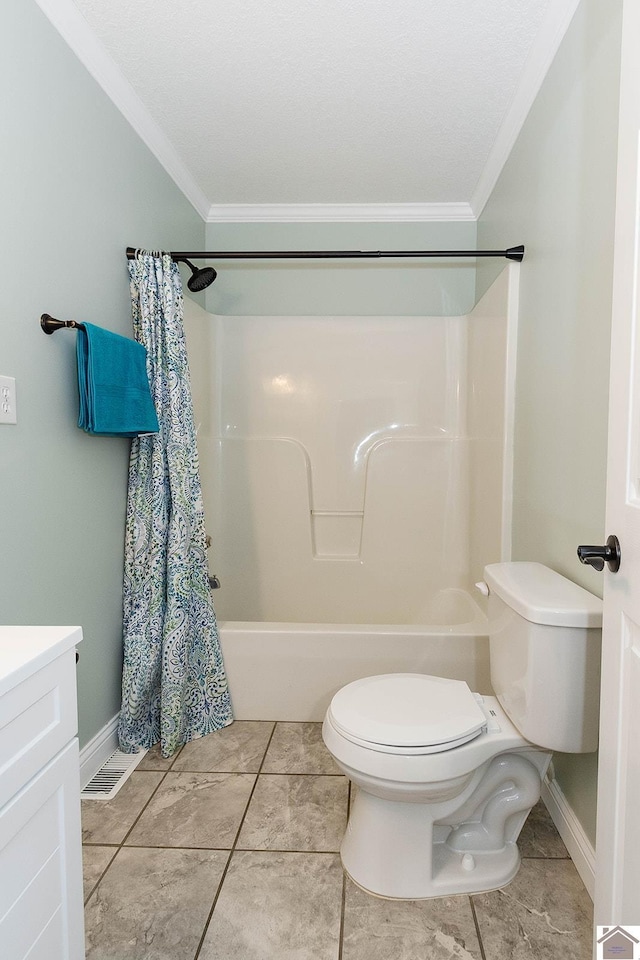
[{"x": 356, "y": 473}]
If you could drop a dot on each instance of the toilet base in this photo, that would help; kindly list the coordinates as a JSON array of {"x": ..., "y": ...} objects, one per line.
[
  {"x": 413, "y": 851},
  {"x": 453, "y": 879}
]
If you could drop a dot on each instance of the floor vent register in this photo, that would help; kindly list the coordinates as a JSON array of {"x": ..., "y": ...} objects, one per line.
[{"x": 112, "y": 775}]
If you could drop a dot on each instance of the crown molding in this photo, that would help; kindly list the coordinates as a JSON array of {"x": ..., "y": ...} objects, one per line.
[
  {"x": 556, "y": 22},
  {"x": 338, "y": 212},
  {"x": 74, "y": 29}
]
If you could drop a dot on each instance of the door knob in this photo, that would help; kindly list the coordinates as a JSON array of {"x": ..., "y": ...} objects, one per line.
[{"x": 597, "y": 556}]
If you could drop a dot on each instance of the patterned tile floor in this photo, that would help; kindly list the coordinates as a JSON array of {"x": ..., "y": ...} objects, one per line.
[{"x": 229, "y": 851}]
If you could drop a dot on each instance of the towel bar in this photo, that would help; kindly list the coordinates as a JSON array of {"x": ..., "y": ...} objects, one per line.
[{"x": 49, "y": 324}]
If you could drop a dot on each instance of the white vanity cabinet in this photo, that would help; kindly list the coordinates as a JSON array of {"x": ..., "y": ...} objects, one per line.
[{"x": 41, "y": 903}]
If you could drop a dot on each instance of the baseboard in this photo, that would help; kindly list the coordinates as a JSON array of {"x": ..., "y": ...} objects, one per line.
[
  {"x": 95, "y": 753},
  {"x": 570, "y": 829}
]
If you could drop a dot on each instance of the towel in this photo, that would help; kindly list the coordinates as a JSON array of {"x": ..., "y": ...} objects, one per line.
[{"x": 115, "y": 400}]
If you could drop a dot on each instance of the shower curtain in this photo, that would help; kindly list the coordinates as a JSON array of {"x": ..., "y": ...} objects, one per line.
[{"x": 174, "y": 686}]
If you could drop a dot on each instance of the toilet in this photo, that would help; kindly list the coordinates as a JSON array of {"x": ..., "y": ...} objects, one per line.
[{"x": 445, "y": 777}]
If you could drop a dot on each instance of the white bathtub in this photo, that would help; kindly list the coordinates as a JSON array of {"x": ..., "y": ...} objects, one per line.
[{"x": 290, "y": 671}]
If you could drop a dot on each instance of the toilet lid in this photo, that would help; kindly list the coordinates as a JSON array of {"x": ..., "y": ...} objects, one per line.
[{"x": 408, "y": 710}]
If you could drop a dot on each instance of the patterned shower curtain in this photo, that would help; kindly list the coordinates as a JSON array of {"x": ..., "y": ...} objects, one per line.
[{"x": 174, "y": 687}]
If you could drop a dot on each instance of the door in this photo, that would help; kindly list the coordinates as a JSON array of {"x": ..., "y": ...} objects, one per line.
[{"x": 617, "y": 892}]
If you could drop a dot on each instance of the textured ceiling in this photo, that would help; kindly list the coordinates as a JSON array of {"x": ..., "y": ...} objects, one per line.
[{"x": 324, "y": 101}]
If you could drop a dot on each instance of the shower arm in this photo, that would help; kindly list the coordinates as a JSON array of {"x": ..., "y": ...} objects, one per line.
[{"x": 511, "y": 253}]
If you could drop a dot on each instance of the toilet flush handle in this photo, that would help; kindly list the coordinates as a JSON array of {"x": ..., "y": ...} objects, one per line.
[{"x": 596, "y": 557}]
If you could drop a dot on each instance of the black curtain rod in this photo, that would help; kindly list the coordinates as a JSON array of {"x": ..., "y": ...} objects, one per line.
[{"x": 512, "y": 253}]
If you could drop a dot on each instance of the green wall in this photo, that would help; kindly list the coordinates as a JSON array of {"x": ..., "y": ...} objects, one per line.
[
  {"x": 77, "y": 187},
  {"x": 357, "y": 288},
  {"x": 556, "y": 195}
]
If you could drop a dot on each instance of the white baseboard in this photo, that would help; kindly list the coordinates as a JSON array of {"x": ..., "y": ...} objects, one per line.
[
  {"x": 98, "y": 751},
  {"x": 570, "y": 829}
]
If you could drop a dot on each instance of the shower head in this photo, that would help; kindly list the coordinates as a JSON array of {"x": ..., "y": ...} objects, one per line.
[{"x": 201, "y": 277}]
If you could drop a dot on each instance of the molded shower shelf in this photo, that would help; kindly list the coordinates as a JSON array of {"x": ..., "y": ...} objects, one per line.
[{"x": 337, "y": 535}]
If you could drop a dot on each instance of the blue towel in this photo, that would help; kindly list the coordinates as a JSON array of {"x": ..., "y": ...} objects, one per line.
[{"x": 115, "y": 399}]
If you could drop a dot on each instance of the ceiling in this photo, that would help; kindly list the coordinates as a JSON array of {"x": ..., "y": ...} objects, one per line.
[{"x": 287, "y": 103}]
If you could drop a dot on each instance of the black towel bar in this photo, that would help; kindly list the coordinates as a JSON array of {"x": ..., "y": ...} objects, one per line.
[{"x": 49, "y": 324}]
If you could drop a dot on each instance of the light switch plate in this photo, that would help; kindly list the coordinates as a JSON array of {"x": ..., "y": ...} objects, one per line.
[{"x": 8, "y": 400}]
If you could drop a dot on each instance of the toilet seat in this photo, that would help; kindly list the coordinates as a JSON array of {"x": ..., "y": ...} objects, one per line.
[{"x": 407, "y": 713}]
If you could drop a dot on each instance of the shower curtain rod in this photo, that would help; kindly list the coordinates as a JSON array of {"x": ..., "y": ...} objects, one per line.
[{"x": 511, "y": 253}]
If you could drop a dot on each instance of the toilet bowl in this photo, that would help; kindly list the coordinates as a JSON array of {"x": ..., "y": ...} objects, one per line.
[
  {"x": 444, "y": 777},
  {"x": 459, "y": 805}
]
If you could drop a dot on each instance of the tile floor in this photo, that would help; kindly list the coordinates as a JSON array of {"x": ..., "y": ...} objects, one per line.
[{"x": 229, "y": 851}]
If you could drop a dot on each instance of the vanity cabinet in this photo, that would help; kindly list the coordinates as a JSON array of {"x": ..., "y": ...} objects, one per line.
[{"x": 41, "y": 903}]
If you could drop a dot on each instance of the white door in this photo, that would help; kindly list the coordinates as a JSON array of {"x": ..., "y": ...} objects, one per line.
[{"x": 617, "y": 892}]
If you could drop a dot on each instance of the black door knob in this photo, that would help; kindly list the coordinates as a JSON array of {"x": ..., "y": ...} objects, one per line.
[{"x": 597, "y": 556}]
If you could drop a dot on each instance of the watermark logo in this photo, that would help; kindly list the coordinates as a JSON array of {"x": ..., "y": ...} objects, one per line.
[{"x": 618, "y": 943}]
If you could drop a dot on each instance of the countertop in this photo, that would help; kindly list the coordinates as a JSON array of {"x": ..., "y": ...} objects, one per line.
[{"x": 24, "y": 650}]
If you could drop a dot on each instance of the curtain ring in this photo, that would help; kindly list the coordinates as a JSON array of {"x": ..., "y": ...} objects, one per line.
[{"x": 141, "y": 252}]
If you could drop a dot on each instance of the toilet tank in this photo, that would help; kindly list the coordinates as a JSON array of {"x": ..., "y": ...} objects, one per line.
[{"x": 544, "y": 639}]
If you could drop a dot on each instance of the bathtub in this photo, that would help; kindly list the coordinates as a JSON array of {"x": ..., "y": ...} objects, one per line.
[{"x": 290, "y": 671}]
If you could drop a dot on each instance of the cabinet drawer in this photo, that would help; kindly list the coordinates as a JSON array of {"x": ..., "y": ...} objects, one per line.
[{"x": 37, "y": 718}]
